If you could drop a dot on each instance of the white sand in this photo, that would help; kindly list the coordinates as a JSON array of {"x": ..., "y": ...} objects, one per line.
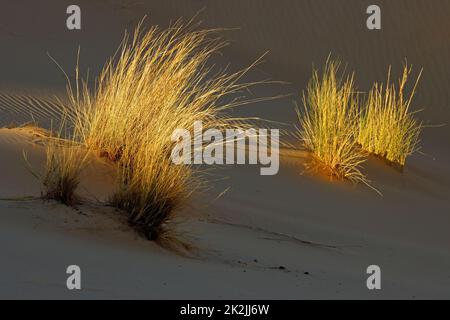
[{"x": 332, "y": 231}]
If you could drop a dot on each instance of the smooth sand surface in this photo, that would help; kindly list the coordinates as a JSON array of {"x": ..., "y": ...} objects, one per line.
[{"x": 293, "y": 235}]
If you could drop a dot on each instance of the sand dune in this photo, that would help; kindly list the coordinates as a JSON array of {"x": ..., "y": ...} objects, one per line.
[
  {"x": 293, "y": 235},
  {"x": 254, "y": 242}
]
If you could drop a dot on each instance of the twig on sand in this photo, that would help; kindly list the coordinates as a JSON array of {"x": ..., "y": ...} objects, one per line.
[
  {"x": 23, "y": 198},
  {"x": 282, "y": 236}
]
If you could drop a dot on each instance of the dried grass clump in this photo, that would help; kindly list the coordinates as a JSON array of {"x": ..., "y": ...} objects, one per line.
[
  {"x": 153, "y": 190},
  {"x": 329, "y": 124},
  {"x": 388, "y": 128},
  {"x": 158, "y": 78},
  {"x": 157, "y": 82},
  {"x": 65, "y": 160}
]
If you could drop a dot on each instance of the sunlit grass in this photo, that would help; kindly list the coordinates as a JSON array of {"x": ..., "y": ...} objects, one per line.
[
  {"x": 157, "y": 82},
  {"x": 153, "y": 190},
  {"x": 329, "y": 124},
  {"x": 388, "y": 127}
]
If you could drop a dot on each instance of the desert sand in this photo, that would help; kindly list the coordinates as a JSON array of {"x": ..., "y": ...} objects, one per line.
[{"x": 290, "y": 236}]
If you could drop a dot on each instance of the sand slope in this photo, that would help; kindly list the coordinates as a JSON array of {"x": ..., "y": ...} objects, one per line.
[{"x": 254, "y": 242}]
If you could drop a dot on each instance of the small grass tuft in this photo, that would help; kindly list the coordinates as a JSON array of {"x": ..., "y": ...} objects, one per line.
[
  {"x": 152, "y": 191},
  {"x": 329, "y": 124},
  {"x": 65, "y": 159},
  {"x": 388, "y": 128}
]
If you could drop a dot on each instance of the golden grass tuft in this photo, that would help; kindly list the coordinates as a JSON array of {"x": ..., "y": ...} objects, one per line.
[
  {"x": 65, "y": 160},
  {"x": 157, "y": 82},
  {"x": 152, "y": 190},
  {"x": 388, "y": 128},
  {"x": 329, "y": 124}
]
